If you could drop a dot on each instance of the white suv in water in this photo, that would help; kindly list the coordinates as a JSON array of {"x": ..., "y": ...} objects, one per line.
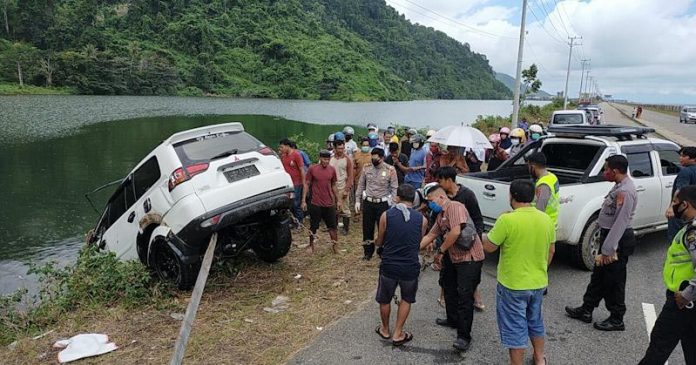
[{"x": 212, "y": 179}]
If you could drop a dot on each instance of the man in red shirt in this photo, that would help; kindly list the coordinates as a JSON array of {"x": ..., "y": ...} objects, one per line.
[
  {"x": 294, "y": 166},
  {"x": 320, "y": 186}
]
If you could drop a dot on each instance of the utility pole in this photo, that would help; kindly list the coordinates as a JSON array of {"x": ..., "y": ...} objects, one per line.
[
  {"x": 570, "y": 54},
  {"x": 587, "y": 82},
  {"x": 582, "y": 76},
  {"x": 518, "y": 77}
]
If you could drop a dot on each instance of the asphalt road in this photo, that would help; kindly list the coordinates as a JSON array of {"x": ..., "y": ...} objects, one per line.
[
  {"x": 684, "y": 134},
  {"x": 352, "y": 340}
]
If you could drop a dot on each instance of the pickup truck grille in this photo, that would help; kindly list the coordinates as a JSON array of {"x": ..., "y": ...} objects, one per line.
[{"x": 241, "y": 173}]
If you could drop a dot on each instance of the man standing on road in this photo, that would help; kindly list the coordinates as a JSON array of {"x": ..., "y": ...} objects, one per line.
[
  {"x": 320, "y": 184},
  {"x": 608, "y": 279},
  {"x": 400, "y": 231},
  {"x": 406, "y": 141},
  {"x": 546, "y": 196},
  {"x": 397, "y": 160},
  {"x": 344, "y": 182},
  {"x": 294, "y": 166},
  {"x": 379, "y": 183},
  {"x": 447, "y": 178},
  {"x": 677, "y": 321},
  {"x": 461, "y": 265},
  {"x": 686, "y": 176},
  {"x": 525, "y": 255},
  {"x": 351, "y": 146}
]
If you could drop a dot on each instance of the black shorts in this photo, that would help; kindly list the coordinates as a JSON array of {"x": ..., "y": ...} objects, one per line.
[
  {"x": 317, "y": 214},
  {"x": 386, "y": 288}
]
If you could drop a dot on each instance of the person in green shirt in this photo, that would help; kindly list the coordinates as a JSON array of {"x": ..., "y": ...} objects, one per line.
[
  {"x": 525, "y": 237},
  {"x": 546, "y": 197}
]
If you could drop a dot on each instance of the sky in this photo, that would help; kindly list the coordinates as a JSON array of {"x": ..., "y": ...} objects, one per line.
[{"x": 640, "y": 50}]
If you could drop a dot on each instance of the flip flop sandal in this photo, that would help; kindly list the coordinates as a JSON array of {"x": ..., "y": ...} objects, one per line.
[
  {"x": 407, "y": 337},
  {"x": 380, "y": 333}
]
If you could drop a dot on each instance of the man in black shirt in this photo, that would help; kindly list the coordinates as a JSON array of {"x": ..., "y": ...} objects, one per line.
[{"x": 396, "y": 157}]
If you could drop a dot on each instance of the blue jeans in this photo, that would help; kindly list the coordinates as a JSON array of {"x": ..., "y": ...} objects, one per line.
[
  {"x": 519, "y": 316},
  {"x": 297, "y": 204}
]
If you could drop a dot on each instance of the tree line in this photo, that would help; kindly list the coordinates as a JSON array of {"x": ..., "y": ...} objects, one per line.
[{"x": 298, "y": 49}]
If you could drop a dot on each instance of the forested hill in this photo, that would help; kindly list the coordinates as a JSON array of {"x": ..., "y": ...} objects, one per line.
[{"x": 300, "y": 49}]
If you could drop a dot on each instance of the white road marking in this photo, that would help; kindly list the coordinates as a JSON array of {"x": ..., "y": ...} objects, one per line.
[{"x": 650, "y": 318}]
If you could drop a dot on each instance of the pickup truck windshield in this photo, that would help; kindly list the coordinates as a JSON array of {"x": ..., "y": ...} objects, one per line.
[
  {"x": 567, "y": 119},
  {"x": 570, "y": 156}
]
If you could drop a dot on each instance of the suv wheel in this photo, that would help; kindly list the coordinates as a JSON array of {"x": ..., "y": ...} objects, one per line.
[
  {"x": 274, "y": 240},
  {"x": 584, "y": 253},
  {"x": 169, "y": 268}
]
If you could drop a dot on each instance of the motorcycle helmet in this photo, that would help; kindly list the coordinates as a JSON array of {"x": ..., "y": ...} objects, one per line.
[
  {"x": 348, "y": 130},
  {"x": 505, "y": 130},
  {"x": 339, "y": 136},
  {"x": 535, "y": 128},
  {"x": 494, "y": 138}
]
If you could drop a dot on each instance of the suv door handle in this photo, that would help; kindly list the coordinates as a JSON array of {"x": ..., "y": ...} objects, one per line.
[
  {"x": 669, "y": 185},
  {"x": 489, "y": 195},
  {"x": 131, "y": 217},
  {"x": 147, "y": 205},
  {"x": 640, "y": 188}
]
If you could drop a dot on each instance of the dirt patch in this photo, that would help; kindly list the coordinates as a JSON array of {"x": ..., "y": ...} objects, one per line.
[{"x": 231, "y": 326}]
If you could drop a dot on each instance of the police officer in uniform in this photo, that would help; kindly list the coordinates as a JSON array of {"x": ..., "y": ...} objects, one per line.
[
  {"x": 677, "y": 321},
  {"x": 608, "y": 279},
  {"x": 376, "y": 187}
]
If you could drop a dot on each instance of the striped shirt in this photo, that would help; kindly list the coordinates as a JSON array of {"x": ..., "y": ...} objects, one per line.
[{"x": 454, "y": 214}]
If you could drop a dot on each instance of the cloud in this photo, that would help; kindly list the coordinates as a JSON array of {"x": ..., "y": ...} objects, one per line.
[{"x": 642, "y": 50}]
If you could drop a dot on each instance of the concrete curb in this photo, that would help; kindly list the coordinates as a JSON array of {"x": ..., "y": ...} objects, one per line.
[{"x": 682, "y": 141}]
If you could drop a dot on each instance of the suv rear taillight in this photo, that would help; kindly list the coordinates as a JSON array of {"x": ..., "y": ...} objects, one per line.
[{"x": 181, "y": 175}]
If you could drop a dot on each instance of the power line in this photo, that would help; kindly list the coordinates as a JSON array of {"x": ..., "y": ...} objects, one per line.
[
  {"x": 548, "y": 15},
  {"x": 570, "y": 23},
  {"x": 544, "y": 28},
  {"x": 455, "y": 21}
]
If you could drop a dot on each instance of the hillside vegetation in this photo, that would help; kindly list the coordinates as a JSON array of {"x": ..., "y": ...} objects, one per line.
[{"x": 299, "y": 49}]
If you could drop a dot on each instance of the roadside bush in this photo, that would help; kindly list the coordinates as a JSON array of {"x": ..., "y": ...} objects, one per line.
[
  {"x": 490, "y": 124},
  {"x": 98, "y": 279},
  {"x": 305, "y": 144}
]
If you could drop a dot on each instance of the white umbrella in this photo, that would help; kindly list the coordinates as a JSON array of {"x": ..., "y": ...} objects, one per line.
[{"x": 461, "y": 136}]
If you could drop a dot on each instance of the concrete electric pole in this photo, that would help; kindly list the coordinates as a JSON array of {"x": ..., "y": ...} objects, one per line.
[
  {"x": 518, "y": 77},
  {"x": 582, "y": 76},
  {"x": 570, "y": 55}
]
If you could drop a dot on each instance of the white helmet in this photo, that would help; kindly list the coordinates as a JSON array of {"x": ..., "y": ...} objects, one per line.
[
  {"x": 348, "y": 130},
  {"x": 535, "y": 128},
  {"x": 430, "y": 133}
]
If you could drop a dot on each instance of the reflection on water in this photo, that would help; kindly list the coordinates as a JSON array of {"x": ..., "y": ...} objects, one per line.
[{"x": 45, "y": 214}]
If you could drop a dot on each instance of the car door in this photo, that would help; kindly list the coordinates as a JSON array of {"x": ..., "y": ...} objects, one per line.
[
  {"x": 668, "y": 157},
  {"x": 642, "y": 168},
  {"x": 125, "y": 222},
  {"x": 142, "y": 194}
]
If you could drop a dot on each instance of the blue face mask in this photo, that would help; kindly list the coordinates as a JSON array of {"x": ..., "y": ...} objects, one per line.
[
  {"x": 365, "y": 149},
  {"x": 434, "y": 207}
]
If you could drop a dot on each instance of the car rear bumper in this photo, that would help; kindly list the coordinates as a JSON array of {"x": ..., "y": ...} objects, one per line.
[{"x": 190, "y": 239}]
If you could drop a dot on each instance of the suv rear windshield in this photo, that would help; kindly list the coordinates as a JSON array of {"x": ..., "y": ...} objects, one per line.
[
  {"x": 567, "y": 119},
  {"x": 206, "y": 147},
  {"x": 569, "y": 156}
]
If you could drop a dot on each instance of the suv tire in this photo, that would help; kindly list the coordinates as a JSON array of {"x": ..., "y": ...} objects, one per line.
[
  {"x": 583, "y": 254},
  {"x": 274, "y": 240},
  {"x": 169, "y": 268}
]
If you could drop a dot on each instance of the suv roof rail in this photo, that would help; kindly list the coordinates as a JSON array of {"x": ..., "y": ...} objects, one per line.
[{"x": 607, "y": 130}]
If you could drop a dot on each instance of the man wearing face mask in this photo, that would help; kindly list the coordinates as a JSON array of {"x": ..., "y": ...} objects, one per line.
[
  {"x": 608, "y": 280},
  {"x": 686, "y": 176},
  {"x": 461, "y": 267},
  {"x": 535, "y": 133},
  {"x": 677, "y": 320},
  {"x": 351, "y": 146},
  {"x": 415, "y": 172},
  {"x": 518, "y": 139},
  {"x": 378, "y": 182},
  {"x": 546, "y": 196}
]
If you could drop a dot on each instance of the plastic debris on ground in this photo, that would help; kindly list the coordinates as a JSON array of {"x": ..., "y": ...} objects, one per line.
[
  {"x": 279, "y": 304},
  {"x": 84, "y": 345}
]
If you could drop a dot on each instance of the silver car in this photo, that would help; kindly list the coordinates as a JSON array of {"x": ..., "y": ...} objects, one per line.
[{"x": 687, "y": 114}]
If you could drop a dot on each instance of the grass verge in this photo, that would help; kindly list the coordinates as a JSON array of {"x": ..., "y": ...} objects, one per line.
[
  {"x": 231, "y": 326},
  {"x": 15, "y": 89}
]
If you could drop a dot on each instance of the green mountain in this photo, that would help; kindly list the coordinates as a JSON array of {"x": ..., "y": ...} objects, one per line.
[
  {"x": 509, "y": 82},
  {"x": 299, "y": 49}
]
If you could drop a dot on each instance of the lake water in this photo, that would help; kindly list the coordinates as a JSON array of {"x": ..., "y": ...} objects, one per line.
[{"x": 54, "y": 149}]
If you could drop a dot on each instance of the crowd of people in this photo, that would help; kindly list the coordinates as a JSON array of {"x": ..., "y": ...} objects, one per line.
[{"x": 405, "y": 190}]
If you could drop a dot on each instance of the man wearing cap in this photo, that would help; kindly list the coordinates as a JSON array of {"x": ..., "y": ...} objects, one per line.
[
  {"x": 320, "y": 186},
  {"x": 377, "y": 185},
  {"x": 406, "y": 141}
]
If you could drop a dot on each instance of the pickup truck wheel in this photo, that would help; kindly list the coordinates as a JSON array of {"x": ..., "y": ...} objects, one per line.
[
  {"x": 274, "y": 240},
  {"x": 584, "y": 253},
  {"x": 169, "y": 268}
]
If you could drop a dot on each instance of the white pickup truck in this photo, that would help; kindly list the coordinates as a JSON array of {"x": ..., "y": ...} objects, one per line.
[{"x": 576, "y": 156}]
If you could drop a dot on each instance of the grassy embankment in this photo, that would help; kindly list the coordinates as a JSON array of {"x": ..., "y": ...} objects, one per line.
[
  {"x": 15, "y": 89},
  {"x": 103, "y": 295}
]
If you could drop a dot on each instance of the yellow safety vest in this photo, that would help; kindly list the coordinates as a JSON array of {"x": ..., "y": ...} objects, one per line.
[
  {"x": 678, "y": 266},
  {"x": 553, "y": 206}
]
